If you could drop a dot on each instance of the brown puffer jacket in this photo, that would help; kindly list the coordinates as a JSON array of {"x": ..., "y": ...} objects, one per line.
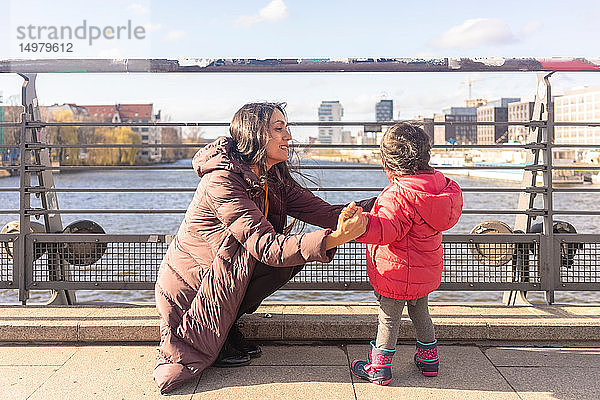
[{"x": 205, "y": 272}]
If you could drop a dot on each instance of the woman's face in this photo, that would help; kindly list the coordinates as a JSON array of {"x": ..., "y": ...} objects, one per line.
[{"x": 277, "y": 145}]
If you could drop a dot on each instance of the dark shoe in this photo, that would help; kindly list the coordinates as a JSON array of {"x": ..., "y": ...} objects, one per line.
[
  {"x": 229, "y": 357},
  {"x": 240, "y": 343}
]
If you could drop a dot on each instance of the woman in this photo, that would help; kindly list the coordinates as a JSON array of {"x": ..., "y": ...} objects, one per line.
[{"x": 230, "y": 252}]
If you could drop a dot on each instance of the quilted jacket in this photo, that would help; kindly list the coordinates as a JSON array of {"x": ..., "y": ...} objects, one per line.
[
  {"x": 404, "y": 233},
  {"x": 205, "y": 272}
]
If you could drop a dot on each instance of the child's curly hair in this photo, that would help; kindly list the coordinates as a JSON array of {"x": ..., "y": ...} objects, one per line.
[{"x": 405, "y": 148}]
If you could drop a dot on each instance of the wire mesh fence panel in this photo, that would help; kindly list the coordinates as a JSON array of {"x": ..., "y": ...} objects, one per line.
[
  {"x": 348, "y": 266},
  {"x": 6, "y": 263},
  {"x": 580, "y": 262},
  {"x": 499, "y": 262},
  {"x": 98, "y": 262},
  {"x": 467, "y": 262}
]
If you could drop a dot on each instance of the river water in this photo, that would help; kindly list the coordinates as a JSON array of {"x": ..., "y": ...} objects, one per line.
[{"x": 168, "y": 223}]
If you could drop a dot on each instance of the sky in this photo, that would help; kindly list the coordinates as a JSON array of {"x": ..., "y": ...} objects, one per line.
[{"x": 302, "y": 29}]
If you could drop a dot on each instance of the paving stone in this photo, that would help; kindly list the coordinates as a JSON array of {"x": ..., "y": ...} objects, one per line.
[
  {"x": 465, "y": 373},
  {"x": 543, "y": 357},
  {"x": 309, "y": 355},
  {"x": 35, "y": 355},
  {"x": 564, "y": 383},
  {"x": 108, "y": 372},
  {"x": 18, "y": 382},
  {"x": 269, "y": 382}
]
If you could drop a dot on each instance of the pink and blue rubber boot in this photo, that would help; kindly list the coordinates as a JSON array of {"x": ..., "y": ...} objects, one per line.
[
  {"x": 378, "y": 367},
  {"x": 426, "y": 358}
]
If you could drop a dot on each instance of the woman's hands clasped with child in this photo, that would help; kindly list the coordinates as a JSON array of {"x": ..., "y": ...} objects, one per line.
[{"x": 352, "y": 223}]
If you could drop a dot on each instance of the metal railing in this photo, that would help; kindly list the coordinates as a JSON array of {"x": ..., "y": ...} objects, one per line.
[{"x": 528, "y": 261}]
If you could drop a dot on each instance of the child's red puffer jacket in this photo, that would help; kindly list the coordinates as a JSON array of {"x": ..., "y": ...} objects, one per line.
[{"x": 404, "y": 234}]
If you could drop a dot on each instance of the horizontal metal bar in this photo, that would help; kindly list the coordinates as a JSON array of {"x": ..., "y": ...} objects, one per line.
[
  {"x": 99, "y": 237},
  {"x": 9, "y": 189},
  {"x": 491, "y": 238},
  {"x": 37, "y": 189},
  {"x": 9, "y": 125},
  {"x": 32, "y": 168},
  {"x": 297, "y": 65},
  {"x": 582, "y": 189},
  {"x": 96, "y": 285},
  {"x": 37, "y": 211},
  {"x": 576, "y": 146},
  {"x": 578, "y": 237},
  {"x": 327, "y": 286},
  {"x": 8, "y": 237},
  {"x": 165, "y": 238},
  {"x": 488, "y": 286},
  {"x": 16, "y": 212},
  {"x": 579, "y": 167},
  {"x": 591, "y": 286},
  {"x": 37, "y": 146},
  {"x": 184, "y": 167},
  {"x": 577, "y": 123},
  {"x": 576, "y": 212},
  {"x": 376, "y": 124}
]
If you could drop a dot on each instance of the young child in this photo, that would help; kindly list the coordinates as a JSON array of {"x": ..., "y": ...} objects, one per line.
[{"x": 404, "y": 248}]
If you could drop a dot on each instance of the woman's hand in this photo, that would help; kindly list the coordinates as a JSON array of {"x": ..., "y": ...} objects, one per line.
[{"x": 352, "y": 223}]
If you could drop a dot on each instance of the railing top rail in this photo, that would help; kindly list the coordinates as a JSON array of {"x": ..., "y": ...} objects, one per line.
[{"x": 300, "y": 65}]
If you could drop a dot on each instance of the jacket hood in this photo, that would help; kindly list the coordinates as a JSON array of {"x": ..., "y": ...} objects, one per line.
[
  {"x": 436, "y": 198},
  {"x": 217, "y": 155}
]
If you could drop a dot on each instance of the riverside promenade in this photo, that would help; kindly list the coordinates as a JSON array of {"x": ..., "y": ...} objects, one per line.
[{"x": 486, "y": 352}]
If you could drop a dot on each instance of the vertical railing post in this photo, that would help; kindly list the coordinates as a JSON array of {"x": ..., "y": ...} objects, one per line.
[
  {"x": 550, "y": 263},
  {"x": 20, "y": 246}
]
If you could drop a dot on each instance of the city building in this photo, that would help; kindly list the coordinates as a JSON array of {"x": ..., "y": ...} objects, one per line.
[
  {"x": 520, "y": 111},
  {"x": 330, "y": 111},
  {"x": 503, "y": 102},
  {"x": 384, "y": 110},
  {"x": 492, "y": 134},
  {"x": 458, "y": 134},
  {"x": 427, "y": 125},
  {"x": 494, "y": 111},
  {"x": 579, "y": 105},
  {"x": 133, "y": 113}
]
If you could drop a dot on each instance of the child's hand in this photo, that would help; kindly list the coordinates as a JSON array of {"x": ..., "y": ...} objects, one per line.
[
  {"x": 352, "y": 222},
  {"x": 348, "y": 212}
]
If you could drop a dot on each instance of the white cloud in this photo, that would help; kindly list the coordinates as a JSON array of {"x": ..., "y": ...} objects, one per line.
[
  {"x": 273, "y": 11},
  {"x": 475, "y": 32},
  {"x": 138, "y": 8},
  {"x": 172, "y": 36}
]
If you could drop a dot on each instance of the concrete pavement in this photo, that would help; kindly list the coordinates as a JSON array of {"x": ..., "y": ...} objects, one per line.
[{"x": 302, "y": 372}]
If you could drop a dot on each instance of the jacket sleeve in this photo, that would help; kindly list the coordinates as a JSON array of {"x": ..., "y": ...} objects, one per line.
[
  {"x": 390, "y": 223},
  {"x": 245, "y": 221},
  {"x": 302, "y": 204}
]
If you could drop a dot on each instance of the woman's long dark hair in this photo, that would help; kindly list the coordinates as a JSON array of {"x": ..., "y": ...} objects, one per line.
[{"x": 249, "y": 129}]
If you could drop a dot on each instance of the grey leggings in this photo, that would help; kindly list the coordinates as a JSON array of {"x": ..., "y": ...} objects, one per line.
[{"x": 390, "y": 311}]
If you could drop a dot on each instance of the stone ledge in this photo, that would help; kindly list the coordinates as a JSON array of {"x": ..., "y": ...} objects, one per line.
[{"x": 462, "y": 323}]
